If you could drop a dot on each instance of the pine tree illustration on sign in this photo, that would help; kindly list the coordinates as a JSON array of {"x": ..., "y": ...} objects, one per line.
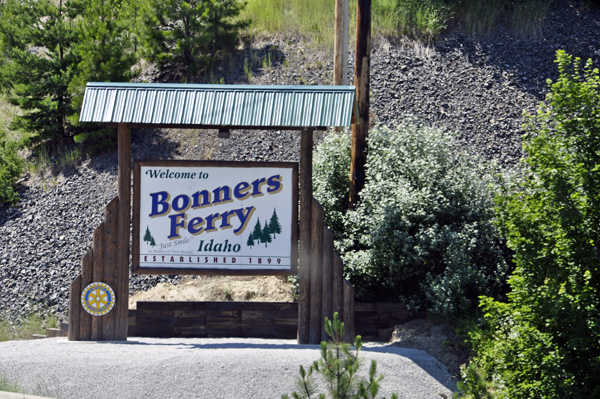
[
  {"x": 148, "y": 237},
  {"x": 266, "y": 234},
  {"x": 257, "y": 233},
  {"x": 263, "y": 234},
  {"x": 274, "y": 226}
]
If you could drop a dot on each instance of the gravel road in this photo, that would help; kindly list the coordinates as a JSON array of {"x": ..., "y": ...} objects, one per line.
[{"x": 224, "y": 368}]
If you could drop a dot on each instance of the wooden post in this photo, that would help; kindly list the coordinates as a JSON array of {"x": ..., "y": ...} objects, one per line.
[
  {"x": 111, "y": 221},
  {"x": 338, "y": 286},
  {"x": 306, "y": 148},
  {"x": 316, "y": 270},
  {"x": 85, "y": 319},
  {"x": 327, "y": 272},
  {"x": 123, "y": 237},
  {"x": 74, "y": 311},
  {"x": 348, "y": 312},
  {"x": 361, "y": 81},
  {"x": 97, "y": 275},
  {"x": 340, "y": 62}
]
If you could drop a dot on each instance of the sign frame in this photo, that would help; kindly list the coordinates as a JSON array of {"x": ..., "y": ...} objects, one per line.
[{"x": 137, "y": 269}]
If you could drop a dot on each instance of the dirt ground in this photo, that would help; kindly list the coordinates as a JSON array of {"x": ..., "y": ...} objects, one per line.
[
  {"x": 435, "y": 338},
  {"x": 219, "y": 288}
]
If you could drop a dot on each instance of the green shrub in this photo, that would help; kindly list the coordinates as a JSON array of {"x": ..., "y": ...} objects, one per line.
[
  {"x": 338, "y": 366},
  {"x": 11, "y": 167},
  {"x": 424, "y": 230},
  {"x": 545, "y": 342},
  {"x": 331, "y": 186}
]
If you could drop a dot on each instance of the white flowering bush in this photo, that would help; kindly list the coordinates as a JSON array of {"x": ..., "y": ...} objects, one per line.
[{"x": 424, "y": 230}]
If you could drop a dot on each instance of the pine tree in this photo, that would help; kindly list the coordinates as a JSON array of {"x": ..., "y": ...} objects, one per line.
[
  {"x": 105, "y": 46},
  {"x": 152, "y": 242},
  {"x": 250, "y": 241},
  {"x": 147, "y": 235},
  {"x": 257, "y": 233},
  {"x": 189, "y": 34},
  {"x": 39, "y": 40},
  {"x": 107, "y": 55},
  {"x": 266, "y": 234},
  {"x": 274, "y": 225}
]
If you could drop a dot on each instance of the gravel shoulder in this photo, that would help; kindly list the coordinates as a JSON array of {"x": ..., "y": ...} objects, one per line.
[{"x": 224, "y": 368}]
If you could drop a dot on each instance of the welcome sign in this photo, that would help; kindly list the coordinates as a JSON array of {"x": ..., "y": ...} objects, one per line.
[{"x": 211, "y": 217}]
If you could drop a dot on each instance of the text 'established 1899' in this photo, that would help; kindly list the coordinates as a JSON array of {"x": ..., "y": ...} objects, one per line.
[{"x": 203, "y": 215}]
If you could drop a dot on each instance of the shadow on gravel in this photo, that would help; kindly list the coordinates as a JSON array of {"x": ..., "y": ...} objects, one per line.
[{"x": 530, "y": 61}]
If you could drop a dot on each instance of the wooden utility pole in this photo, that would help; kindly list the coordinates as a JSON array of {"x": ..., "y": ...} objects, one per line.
[
  {"x": 361, "y": 81},
  {"x": 340, "y": 57}
]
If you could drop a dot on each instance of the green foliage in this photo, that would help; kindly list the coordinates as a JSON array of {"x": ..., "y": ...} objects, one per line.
[
  {"x": 189, "y": 35},
  {"x": 38, "y": 39},
  {"x": 545, "y": 342},
  {"x": 105, "y": 48},
  {"x": 95, "y": 139},
  {"x": 51, "y": 50},
  {"x": 331, "y": 185},
  {"x": 11, "y": 167},
  {"x": 424, "y": 230},
  {"x": 338, "y": 366},
  {"x": 473, "y": 384}
]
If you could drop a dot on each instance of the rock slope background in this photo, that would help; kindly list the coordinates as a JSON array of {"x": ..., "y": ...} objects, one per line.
[{"x": 476, "y": 87}]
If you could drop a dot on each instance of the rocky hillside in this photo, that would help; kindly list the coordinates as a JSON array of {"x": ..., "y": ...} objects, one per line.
[{"x": 477, "y": 88}]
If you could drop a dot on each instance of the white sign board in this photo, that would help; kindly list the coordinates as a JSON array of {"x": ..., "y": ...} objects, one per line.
[{"x": 200, "y": 217}]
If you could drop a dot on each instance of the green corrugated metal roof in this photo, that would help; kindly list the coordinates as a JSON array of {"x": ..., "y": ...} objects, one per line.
[{"x": 218, "y": 105}]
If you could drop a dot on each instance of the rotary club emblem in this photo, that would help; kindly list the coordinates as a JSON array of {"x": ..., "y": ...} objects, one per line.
[{"x": 98, "y": 299}]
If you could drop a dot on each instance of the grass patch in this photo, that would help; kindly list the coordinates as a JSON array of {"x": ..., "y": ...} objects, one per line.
[
  {"x": 312, "y": 18},
  {"x": 423, "y": 20},
  {"x": 7, "y": 113},
  {"x": 41, "y": 388},
  {"x": 7, "y": 385},
  {"x": 23, "y": 329}
]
